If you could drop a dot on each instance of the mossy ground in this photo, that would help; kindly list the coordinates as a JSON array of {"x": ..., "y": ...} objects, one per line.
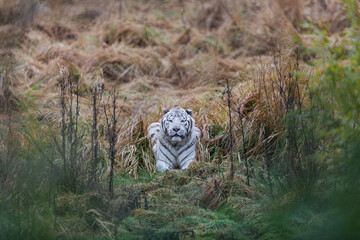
[{"x": 164, "y": 204}]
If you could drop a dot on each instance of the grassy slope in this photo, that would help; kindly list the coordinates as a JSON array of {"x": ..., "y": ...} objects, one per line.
[{"x": 173, "y": 204}]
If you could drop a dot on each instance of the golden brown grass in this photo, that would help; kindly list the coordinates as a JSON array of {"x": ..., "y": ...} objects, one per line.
[{"x": 157, "y": 54}]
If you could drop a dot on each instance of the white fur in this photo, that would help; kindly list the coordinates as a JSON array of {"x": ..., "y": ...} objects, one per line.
[{"x": 174, "y": 152}]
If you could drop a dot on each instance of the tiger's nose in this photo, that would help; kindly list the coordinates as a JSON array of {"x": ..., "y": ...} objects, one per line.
[{"x": 176, "y": 129}]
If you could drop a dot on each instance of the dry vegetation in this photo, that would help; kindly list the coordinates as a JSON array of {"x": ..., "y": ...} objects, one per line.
[
  {"x": 178, "y": 50},
  {"x": 159, "y": 54}
]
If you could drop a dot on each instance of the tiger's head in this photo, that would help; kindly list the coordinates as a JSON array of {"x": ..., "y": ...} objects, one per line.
[{"x": 177, "y": 124}]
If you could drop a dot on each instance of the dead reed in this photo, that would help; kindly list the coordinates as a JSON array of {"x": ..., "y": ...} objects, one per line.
[
  {"x": 96, "y": 101},
  {"x": 70, "y": 110},
  {"x": 111, "y": 132}
]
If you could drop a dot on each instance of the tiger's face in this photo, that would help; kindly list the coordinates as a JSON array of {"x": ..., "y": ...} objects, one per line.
[{"x": 177, "y": 124}]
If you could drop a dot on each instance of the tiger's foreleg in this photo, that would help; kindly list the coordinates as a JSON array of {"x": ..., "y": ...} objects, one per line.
[
  {"x": 187, "y": 156},
  {"x": 162, "y": 166},
  {"x": 164, "y": 159}
]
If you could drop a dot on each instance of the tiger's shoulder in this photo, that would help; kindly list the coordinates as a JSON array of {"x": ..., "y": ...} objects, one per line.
[
  {"x": 197, "y": 132},
  {"x": 154, "y": 132}
]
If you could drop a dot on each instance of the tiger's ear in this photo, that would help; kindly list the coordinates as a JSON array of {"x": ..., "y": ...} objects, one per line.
[
  {"x": 165, "y": 111},
  {"x": 189, "y": 111}
]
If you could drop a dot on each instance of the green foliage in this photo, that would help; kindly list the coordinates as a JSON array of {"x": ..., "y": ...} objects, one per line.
[
  {"x": 336, "y": 89},
  {"x": 26, "y": 192},
  {"x": 327, "y": 206},
  {"x": 336, "y": 93},
  {"x": 152, "y": 35}
]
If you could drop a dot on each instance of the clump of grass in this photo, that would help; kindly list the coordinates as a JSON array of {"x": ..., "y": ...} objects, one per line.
[
  {"x": 210, "y": 16},
  {"x": 132, "y": 34},
  {"x": 58, "y": 32},
  {"x": 8, "y": 96},
  {"x": 135, "y": 149},
  {"x": 202, "y": 169},
  {"x": 287, "y": 95},
  {"x": 17, "y": 12},
  {"x": 294, "y": 11},
  {"x": 208, "y": 44},
  {"x": 215, "y": 193}
]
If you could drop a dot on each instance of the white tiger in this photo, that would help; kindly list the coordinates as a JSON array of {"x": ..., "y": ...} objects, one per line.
[{"x": 174, "y": 139}]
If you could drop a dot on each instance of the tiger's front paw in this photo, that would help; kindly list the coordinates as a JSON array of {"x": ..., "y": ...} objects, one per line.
[{"x": 161, "y": 166}]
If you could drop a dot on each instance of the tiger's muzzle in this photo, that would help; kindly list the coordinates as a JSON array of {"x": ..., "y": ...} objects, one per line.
[{"x": 177, "y": 134}]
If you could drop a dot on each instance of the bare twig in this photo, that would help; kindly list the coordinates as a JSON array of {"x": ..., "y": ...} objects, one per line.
[
  {"x": 97, "y": 93},
  {"x": 245, "y": 157},
  {"x": 228, "y": 99},
  {"x": 63, "y": 77},
  {"x": 112, "y": 136}
]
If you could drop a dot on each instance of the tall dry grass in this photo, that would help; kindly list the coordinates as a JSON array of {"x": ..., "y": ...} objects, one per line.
[{"x": 159, "y": 54}]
